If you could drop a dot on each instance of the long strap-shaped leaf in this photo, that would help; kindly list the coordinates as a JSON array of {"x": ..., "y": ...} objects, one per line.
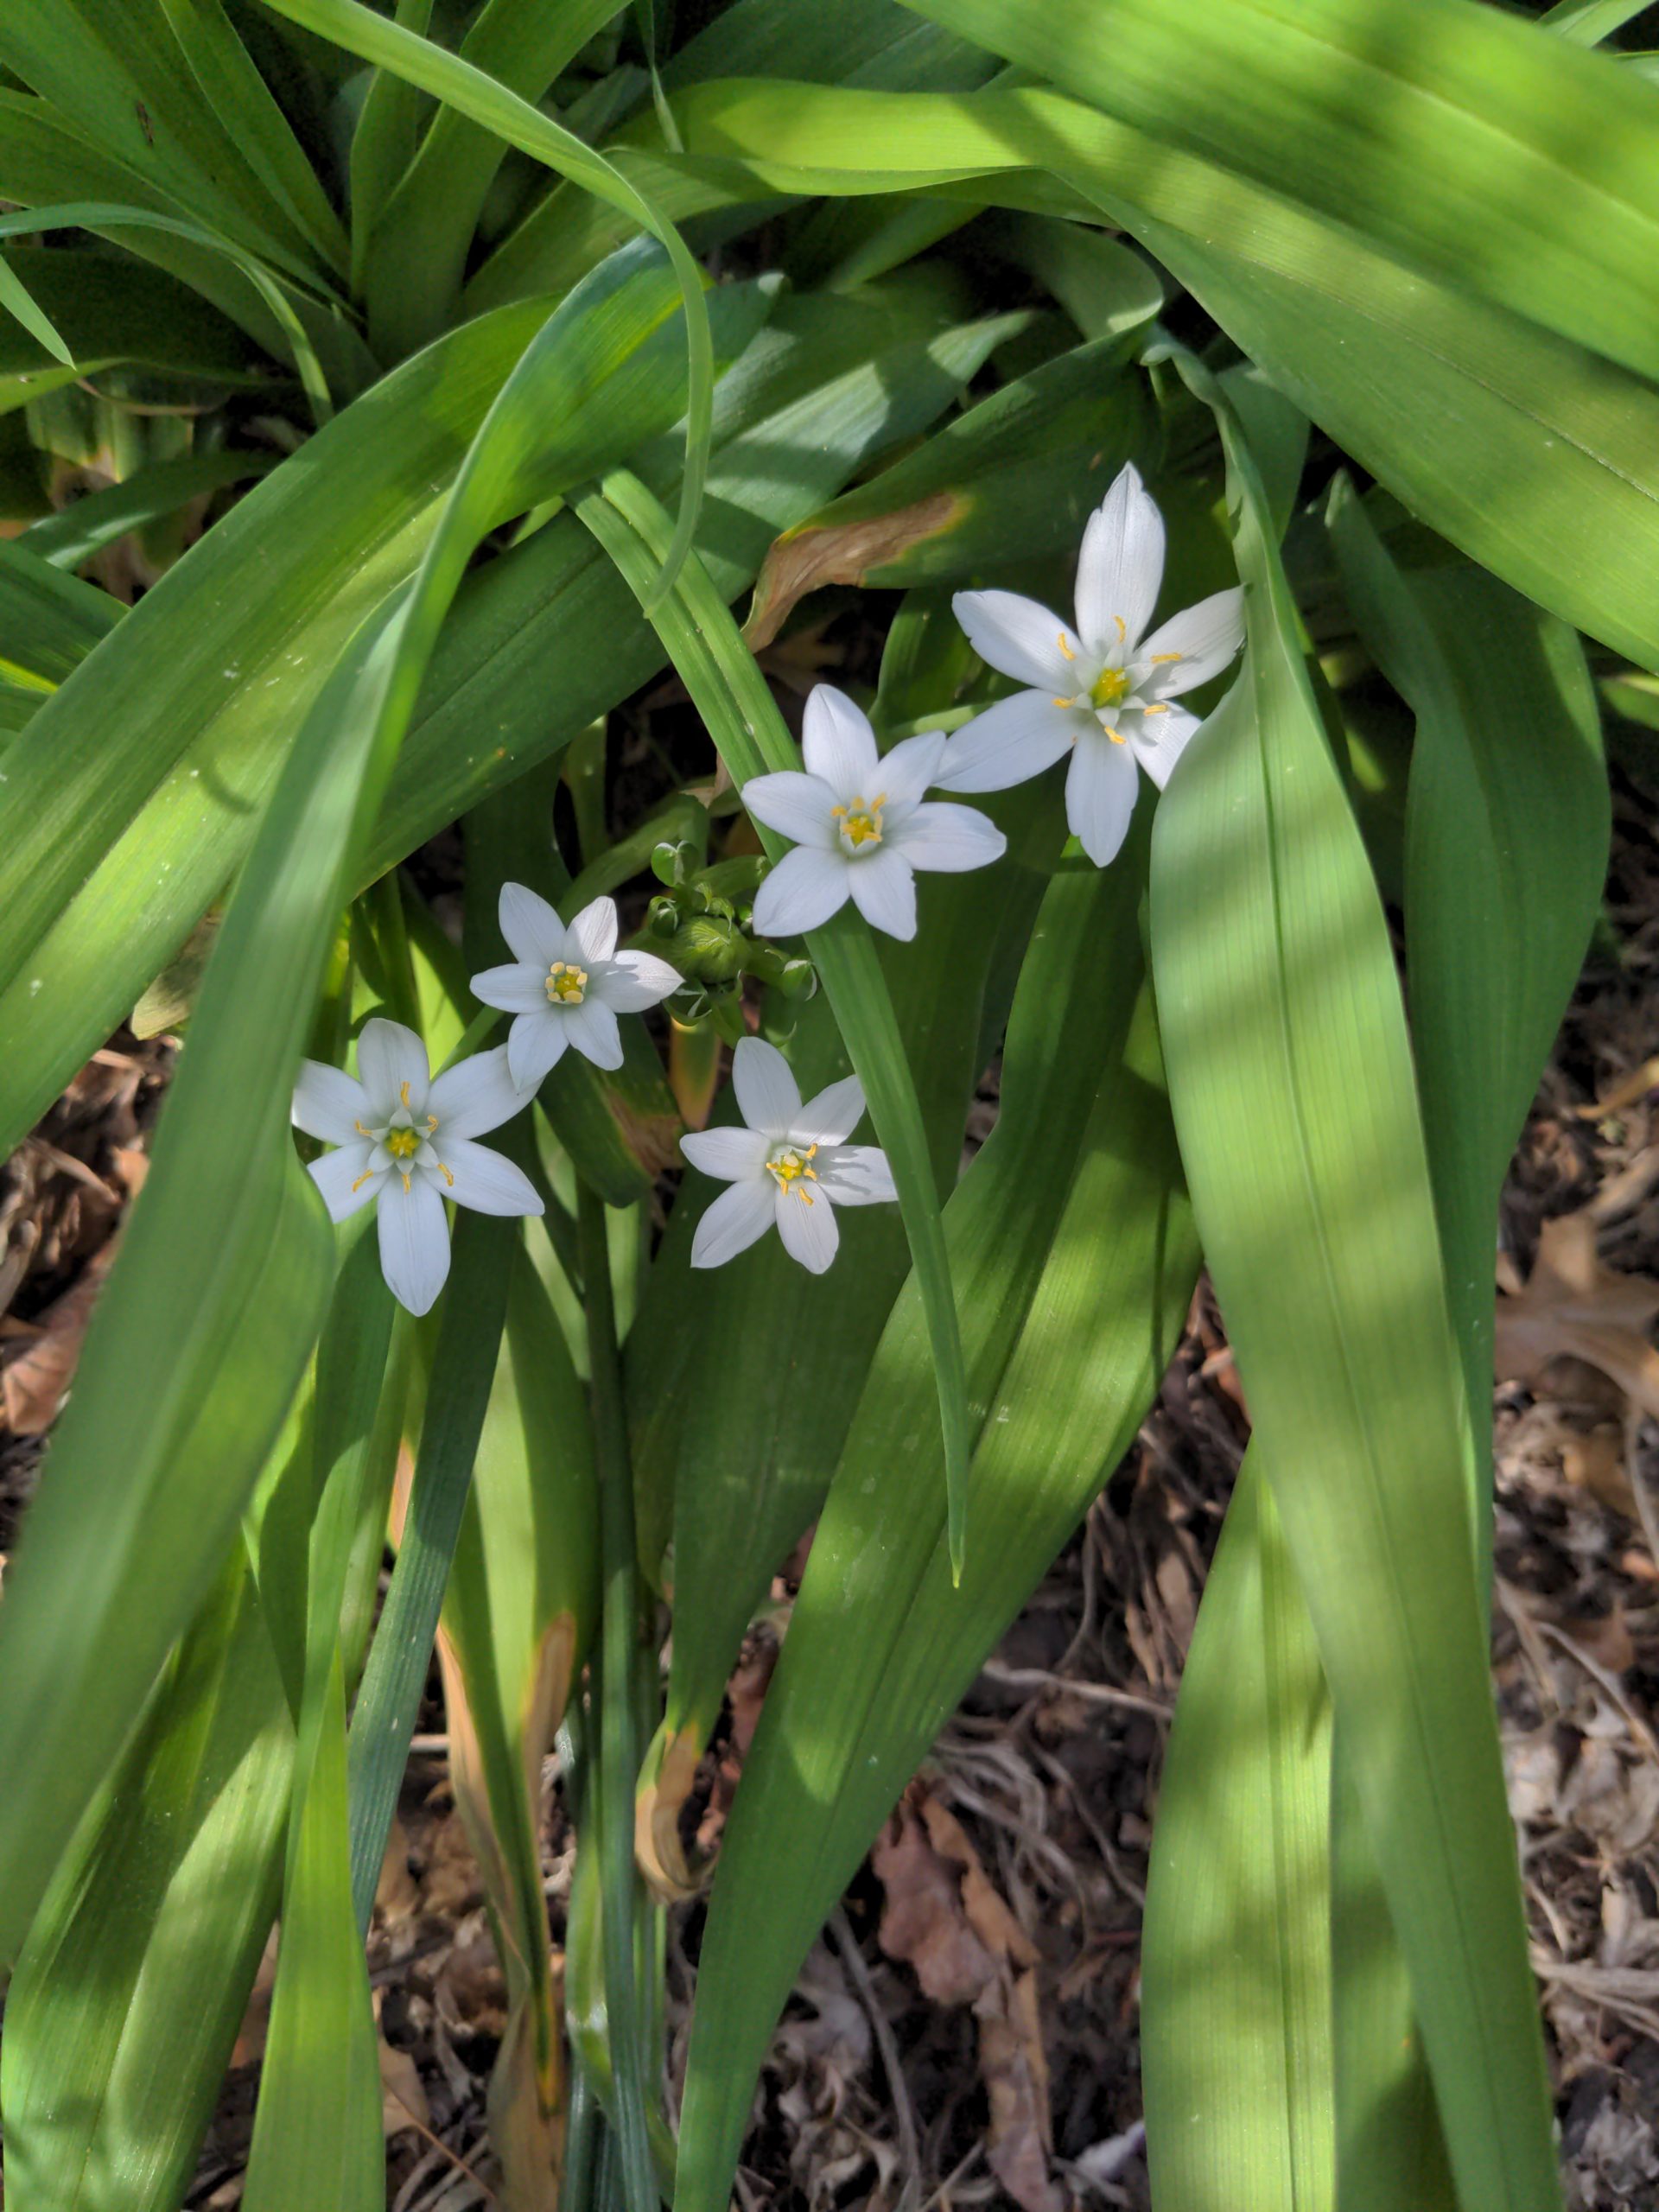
[
  {"x": 1074, "y": 1258},
  {"x": 1290, "y": 1078},
  {"x": 1508, "y": 163},
  {"x": 730, "y": 693},
  {"x": 473, "y": 93},
  {"x": 1235, "y": 1948},
  {"x": 214, "y": 1224}
]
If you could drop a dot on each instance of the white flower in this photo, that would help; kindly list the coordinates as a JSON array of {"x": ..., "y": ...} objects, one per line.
[
  {"x": 406, "y": 1142},
  {"x": 790, "y": 1166},
  {"x": 1102, "y": 688},
  {"x": 860, "y": 824},
  {"x": 566, "y": 986}
]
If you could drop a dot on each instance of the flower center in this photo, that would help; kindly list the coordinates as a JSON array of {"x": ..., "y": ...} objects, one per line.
[
  {"x": 1109, "y": 687},
  {"x": 860, "y": 824},
  {"x": 792, "y": 1170},
  {"x": 567, "y": 984},
  {"x": 402, "y": 1144}
]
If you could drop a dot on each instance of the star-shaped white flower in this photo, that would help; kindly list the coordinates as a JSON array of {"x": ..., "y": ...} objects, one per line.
[
  {"x": 860, "y": 826},
  {"x": 566, "y": 986},
  {"x": 406, "y": 1145},
  {"x": 790, "y": 1165},
  {"x": 1101, "y": 690}
]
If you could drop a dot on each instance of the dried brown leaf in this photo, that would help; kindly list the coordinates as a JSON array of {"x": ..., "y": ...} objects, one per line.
[
  {"x": 1574, "y": 1308},
  {"x": 801, "y": 560}
]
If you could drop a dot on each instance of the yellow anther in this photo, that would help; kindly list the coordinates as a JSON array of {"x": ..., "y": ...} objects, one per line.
[
  {"x": 431, "y": 1124},
  {"x": 1159, "y": 656},
  {"x": 1123, "y": 629},
  {"x": 860, "y": 822},
  {"x": 1116, "y": 735},
  {"x": 368, "y": 1176},
  {"x": 361, "y": 1131},
  {"x": 1061, "y": 702},
  {"x": 1110, "y": 686},
  {"x": 408, "y": 1186},
  {"x": 794, "y": 1170},
  {"x": 1161, "y": 708},
  {"x": 402, "y": 1092},
  {"x": 446, "y": 1176},
  {"x": 402, "y": 1144},
  {"x": 567, "y": 984},
  {"x": 1066, "y": 649}
]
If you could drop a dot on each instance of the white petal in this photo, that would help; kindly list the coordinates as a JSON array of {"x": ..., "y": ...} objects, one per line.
[
  {"x": 1020, "y": 637},
  {"x": 592, "y": 935},
  {"x": 794, "y": 805},
  {"x": 536, "y": 1045},
  {"x": 806, "y": 1221},
  {"x": 388, "y": 1056},
  {"x": 484, "y": 1181},
  {"x": 1120, "y": 566},
  {"x": 949, "y": 838},
  {"x": 337, "y": 1173},
  {"x": 735, "y": 1156},
  {"x": 804, "y": 889},
  {"x": 1100, "y": 794},
  {"x": 1016, "y": 739},
  {"x": 837, "y": 742},
  {"x": 1205, "y": 636},
  {"x": 530, "y": 926},
  {"x": 884, "y": 891},
  {"x": 476, "y": 1095},
  {"x": 737, "y": 1217},
  {"x": 329, "y": 1103},
  {"x": 516, "y": 987},
  {"x": 595, "y": 1033},
  {"x": 768, "y": 1096},
  {"x": 856, "y": 1174},
  {"x": 1159, "y": 740},
  {"x": 833, "y": 1115},
  {"x": 414, "y": 1242},
  {"x": 633, "y": 982},
  {"x": 906, "y": 772}
]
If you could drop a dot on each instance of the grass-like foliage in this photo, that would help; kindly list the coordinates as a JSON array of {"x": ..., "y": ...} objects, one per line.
[{"x": 388, "y": 396}]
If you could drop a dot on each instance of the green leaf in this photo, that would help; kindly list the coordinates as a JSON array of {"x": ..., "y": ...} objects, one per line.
[
  {"x": 113, "y": 859},
  {"x": 77, "y": 531},
  {"x": 18, "y": 302},
  {"x": 418, "y": 254},
  {"x": 484, "y": 101},
  {"x": 125, "y": 2003},
  {"x": 1292, "y": 1084},
  {"x": 1013, "y": 478},
  {"x": 1506, "y": 852},
  {"x": 742, "y": 717},
  {"x": 317, "y": 2136},
  {"x": 48, "y": 622},
  {"x": 1514, "y": 168},
  {"x": 1529, "y": 451},
  {"x": 1236, "y": 2055},
  {"x": 1073, "y": 1261}
]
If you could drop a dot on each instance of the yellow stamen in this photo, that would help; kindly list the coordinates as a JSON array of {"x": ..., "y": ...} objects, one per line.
[
  {"x": 860, "y": 822},
  {"x": 446, "y": 1176},
  {"x": 1158, "y": 656},
  {"x": 567, "y": 984},
  {"x": 368, "y": 1176},
  {"x": 1108, "y": 687},
  {"x": 1123, "y": 629},
  {"x": 1161, "y": 708},
  {"x": 1116, "y": 735},
  {"x": 402, "y": 1092},
  {"x": 408, "y": 1186},
  {"x": 794, "y": 1170},
  {"x": 402, "y": 1144},
  {"x": 431, "y": 1124},
  {"x": 361, "y": 1131},
  {"x": 1066, "y": 649}
]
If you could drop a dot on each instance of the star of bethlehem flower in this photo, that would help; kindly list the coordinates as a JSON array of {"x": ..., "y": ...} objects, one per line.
[
  {"x": 790, "y": 1165},
  {"x": 1101, "y": 689},
  {"x": 566, "y": 986},
  {"x": 861, "y": 825},
  {"x": 405, "y": 1145}
]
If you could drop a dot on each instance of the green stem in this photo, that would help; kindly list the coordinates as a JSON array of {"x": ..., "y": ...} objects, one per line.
[{"x": 618, "y": 1749}]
